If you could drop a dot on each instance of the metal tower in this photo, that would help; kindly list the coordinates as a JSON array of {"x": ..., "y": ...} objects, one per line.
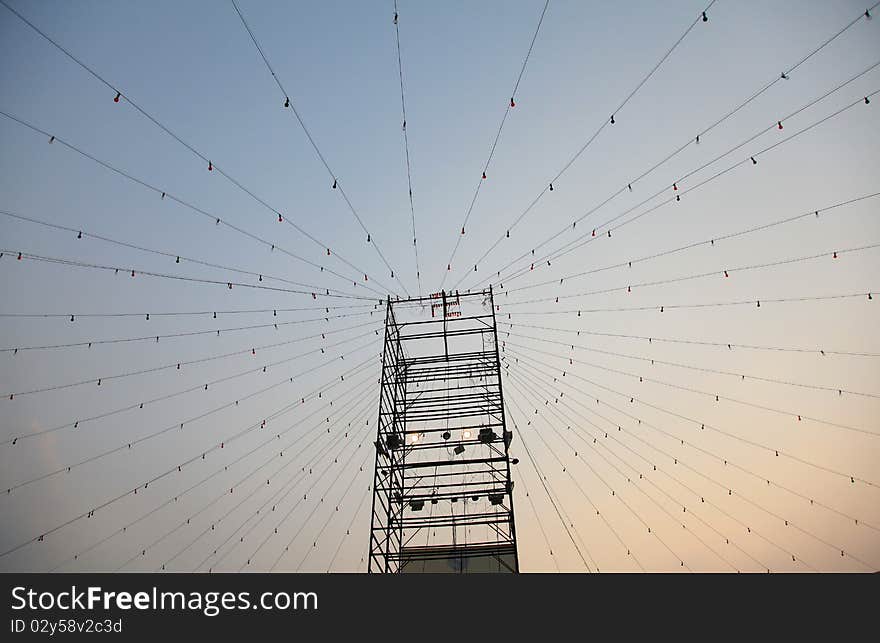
[{"x": 442, "y": 491}]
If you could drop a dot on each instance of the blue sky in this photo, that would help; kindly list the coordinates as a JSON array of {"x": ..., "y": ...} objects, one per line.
[{"x": 193, "y": 67}]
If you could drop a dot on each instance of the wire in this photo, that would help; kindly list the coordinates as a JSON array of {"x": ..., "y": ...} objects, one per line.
[
  {"x": 831, "y": 254},
  {"x": 13, "y": 439},
  {"x": 292, "y": 480},
  {"x": 548, "y": 185},
  {"x": 212, "y": 475},
  {"x": 176, "y": 366},
  {"x": 685, "y": 508},
  {"x": 156, "y": 338},
  {"x": 704, "y": 425},
  {"x": 125, "y": 494},
  {"x": 606, "y": 226},
  {"x": 718, "y": 397},
  {"x": 176, "y": 313},
  {"x": 719, "y": 304},
  {"x": 524, "y": 381},
  {"x": 629, "y": 479},
  {"x": 357, "y": 512},
  {"x": 548, "y": 489},
  {"x": 507, "y": 109},
  {"x": 540, "y": 523},
  {"x": 163, "y": 275},
  {"x": 645, "y": 477},
  {"x": 727, "y": 345},
  {"x": 277, "y": 497},
  {"x": 629, "y": 185},
  {"x": 611, "y": 489},
  {"x": 164, "y": 128},
  {"x": 696, "y": 244},
  {"x": 412, "y": 209},
  {"x": 329, "y": 518},
  {"x": 304, "y": 522},
  {"x": 782, "y": 519},
  {"x": 179, "y": 426},
  {"x": 336, "y": 183},
  {"x": 741, "y": 376},
  {"x": 720, "y": 458}
]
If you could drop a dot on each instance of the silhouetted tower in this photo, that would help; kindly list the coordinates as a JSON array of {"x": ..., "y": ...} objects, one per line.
[{"x": 442, "y": 491}]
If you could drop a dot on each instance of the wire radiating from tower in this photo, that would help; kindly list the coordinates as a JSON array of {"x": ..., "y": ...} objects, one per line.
[
  {"x": 510, "y": 105},
  {"x": 336, "y": 183},
  {"x": 412, "y": 210}
]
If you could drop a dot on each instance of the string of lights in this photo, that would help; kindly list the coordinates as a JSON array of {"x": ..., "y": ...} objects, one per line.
[
  {"x": 304, "y": 498},
  {"x": 610, "y": 488},
  {"x": 741, "y": 376},
  {"x": 20, "y": 255},
  {"x": 607, "y": 227},
  {"x": 331, "y": 516},
  {"x": 212, "y": 166},
  {"x": 178, "y": 258},
  {"x": 676, "y": 521},
  {"x": 697, "y": 244},
  {"x": 339, "y": 503},
  {"x": 540, "y": 523},
  {"x": 127, "y": 445},
  {"x": 749, "y": 529},
  {"x": 566, "y": 523},
  {"x": 357, "y": 512},
  {"x": 164, "y": 194},
  {"x": 705, "y": 425},
  {"x": 299, "y": 476},
  {"x": 548, "y": 185},
  {"x": 337, "y": 185},
  {"x": 564, "y": 519},
  {"x": 509, "y": 105},
  {"x": 644, "y": 476},
  {"x": 412, "y": 209},
  {"x": 247, "y": 498},
  {"x": 788, "y": 522},
  {"x": 695, "y": 140},
  {"x": 628, "y": 288},
  {"x": 178, "y": 365},
  {"x": 329, "y": 519},
  {"x": 277, "y": 497},
  {"x": 728, "y": 345},
  {"x": 174, "y": 499},
  {"x": 177, "y": 313},
  {"x": 216, "y": 522},
  {"x": 723, "y": 459},
  {"x": 786, "y": 75},
  {"x": 21, "y": 437},
  {"x": 686, "y": 509},
  {"x": 132, "y": 491},
  {"x": 155, "y": 338},
  {"x": 88, "y": 514},
  {"x": 142, "y": 553},
  {"x": 718, "y": 397},
  {"x": 718, "y": 304}
]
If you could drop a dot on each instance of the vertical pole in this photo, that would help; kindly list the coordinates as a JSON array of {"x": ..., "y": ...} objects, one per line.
[{"x": 504, "y": 431}]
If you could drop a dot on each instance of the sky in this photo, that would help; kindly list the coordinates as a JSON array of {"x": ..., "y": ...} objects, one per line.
[{"x": 193, "y": 67}]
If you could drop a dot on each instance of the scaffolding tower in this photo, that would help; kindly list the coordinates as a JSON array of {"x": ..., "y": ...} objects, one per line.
[{"x": 442, "y": 490}]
